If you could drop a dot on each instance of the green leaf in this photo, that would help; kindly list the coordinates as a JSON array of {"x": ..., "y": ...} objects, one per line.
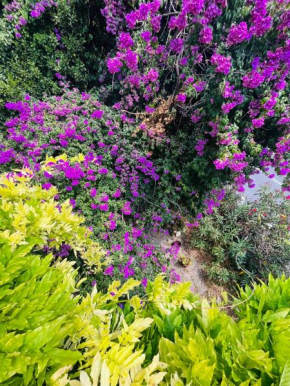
[
  {"x": 64, "y": 357},
  {"x": 159, "y": 322},
  {"x": 285, "y": 378}
]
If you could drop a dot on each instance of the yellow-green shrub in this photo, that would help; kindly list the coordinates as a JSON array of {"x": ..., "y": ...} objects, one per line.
[
  {"x": 30, "y": 215},
  {"x": 37, "y": 310},
  {"x": 170, "y": 336}
]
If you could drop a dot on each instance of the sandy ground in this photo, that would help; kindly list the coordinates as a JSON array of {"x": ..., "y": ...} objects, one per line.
[{"x": 194, "y": 272}]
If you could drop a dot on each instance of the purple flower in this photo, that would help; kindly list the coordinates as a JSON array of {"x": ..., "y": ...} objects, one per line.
[
  {"x": 72, "y": 202},
  {"x": 97, "y": 114},
  {"x": 156, "y": 23},
  {"x": 128, "y": 272},
  {"x": 220, "y": 164},
  {"x": 152, "y": 75},
  {"x": 46, "y": 186},
  {"x": 157, "y": 218},
  {"x": 127, "y": 210},
  {"x": 112, "y": 225},
  {"x": 104, "y": 207},
  {"x": 109, "y": 271},
  {"x": 117, "y": 194},
  {"x": 223, "y": 63},
  {"x": 176, "y": 45},
  {"x": 205, "y": 35},
  {"x": 253, "y": 79},
  {"x": 192, "y": 225},
  {"x": 237, "y": 34},
  {"x": 259, "y": 122},
  {"x": 146, "y": 35},
  {"x": 74, "y": 173},
  {"x": 114, "y": 65},
  {"x": 131, "y": 60},
  {"x": 103, "y": 171},
  {"x": 6, "y": 156},
  {"x": 149, "y": 109},
  {"x": 125, "y": 40},
  {"x": 181, "y": 98},
  {"x": 93, "y": 192}
]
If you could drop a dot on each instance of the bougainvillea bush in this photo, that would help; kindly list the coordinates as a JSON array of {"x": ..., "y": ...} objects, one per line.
[
  {"x": 223, "y": 67},
  {"x": 201, "y": 79},
  {"x": 86, "y": 151}
]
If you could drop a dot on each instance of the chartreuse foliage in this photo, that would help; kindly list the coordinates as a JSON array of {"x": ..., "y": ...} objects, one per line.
[
  {"x": 209, "y": 347},
  {"x": 45, "y": 330},
  {"x": 31, "y": 216},
  {"x": 37, "y": 316},
  {"x": 50, "y": 337}
]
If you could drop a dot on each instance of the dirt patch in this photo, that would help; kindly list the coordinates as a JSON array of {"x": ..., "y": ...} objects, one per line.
[{"x": 176, "y": 247}]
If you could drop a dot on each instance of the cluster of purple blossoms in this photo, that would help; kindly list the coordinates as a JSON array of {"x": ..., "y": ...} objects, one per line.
[
  {"x": 114, "y": 13},
  {"x": 181, "y": 98},
  {"x": 261, "y": 21},
  {"x": 238, "y": 33},
  {"x": 14, "y": 16},
  {"x": 176, "y": 45},
  {"x": 214, "y": 199},
  {"x": 39, "y": 8},
  {"x": 6, "y": 156},
  {"x": 212, "y": 12},
  {"x": 205, "y": 35},
  {"x": 200, "y": 146},
  {"x": 125, "y": 41},
  {"x": 223, "y": 64},
  {"x": 235, "y": 98},
  {"x": 253, "y": 80},
  {"x": 114, "y": 65}
]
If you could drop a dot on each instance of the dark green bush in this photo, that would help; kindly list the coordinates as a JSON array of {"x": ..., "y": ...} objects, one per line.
[{"x": 246, "y": 240}]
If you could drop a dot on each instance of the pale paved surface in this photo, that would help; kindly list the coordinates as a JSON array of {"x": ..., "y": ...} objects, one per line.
[
  {"x": 260, "y": 180},
  {"x": 192, "y": 273}
]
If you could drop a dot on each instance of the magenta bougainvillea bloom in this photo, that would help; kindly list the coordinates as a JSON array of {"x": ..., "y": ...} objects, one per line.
[
  {"x": 97, "y": 114},
  {"x": 223, "y": 64},
  {"x": 238, "y": 33},
  {"x": 205, "y": 35},
  {"x": 181, "y": 98},
  {"x": 109, "y": 271},
  {"x": 114, "y": 65},
  {"x": 125, "y": 40}
]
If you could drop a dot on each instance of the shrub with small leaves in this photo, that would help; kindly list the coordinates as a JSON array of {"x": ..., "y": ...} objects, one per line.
[{"x": 246, "y": 240}]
